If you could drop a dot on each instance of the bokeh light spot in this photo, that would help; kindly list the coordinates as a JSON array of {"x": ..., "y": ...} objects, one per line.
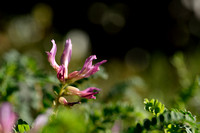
[
  {"x": 23, "y": 30},
  {"x": 43, "y": 14},
  {"x": 80, "y": 43},
  {"x": 113, "y": 22}
]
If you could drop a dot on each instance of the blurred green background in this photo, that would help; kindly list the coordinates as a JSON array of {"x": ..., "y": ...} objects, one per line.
[{"x": 152, "y": 47}]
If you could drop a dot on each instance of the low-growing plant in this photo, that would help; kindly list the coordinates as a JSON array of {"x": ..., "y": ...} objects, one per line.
[
  {"x": 166, "y": 120},
  {"x": 35, "y": 101}
]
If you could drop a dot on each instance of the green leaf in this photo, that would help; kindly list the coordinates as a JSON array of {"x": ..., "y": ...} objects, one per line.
[
  {"x": 154, "y": 106},
  {"x": 22, "y": 126}
]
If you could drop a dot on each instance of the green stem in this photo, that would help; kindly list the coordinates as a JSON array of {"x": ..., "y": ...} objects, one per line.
[{"x": 62, "y": 90}]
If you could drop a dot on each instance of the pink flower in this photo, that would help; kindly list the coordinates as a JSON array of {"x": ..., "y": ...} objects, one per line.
[
  {"x": 41, "y": 121},
  {"x": 62, "y": 70},
  {"x": 7, "y": 118},
  {"x": 87, "y": 93}
]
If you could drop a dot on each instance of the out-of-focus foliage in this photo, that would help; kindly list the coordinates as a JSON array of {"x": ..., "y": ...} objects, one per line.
[
  {"x": 171, "y": 121},
  {"x": 119, "y": 110},
  {"x": 90, "y": 118},
  {"x": 66, "y": 120},
  {"x": 24, "y": 85},
  {"x": 189, "y": 85}
]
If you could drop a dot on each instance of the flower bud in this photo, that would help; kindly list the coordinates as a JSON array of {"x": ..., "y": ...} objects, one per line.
[
  {"x": 63, "y": 101},
  {"x": 73, "y": 90}
]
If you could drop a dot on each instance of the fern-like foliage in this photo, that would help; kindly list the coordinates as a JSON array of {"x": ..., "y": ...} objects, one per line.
[
  {"x": 154, "y": 106},
  {"x": 22, "y": 126},
  {"x": 165, "y": 120}
]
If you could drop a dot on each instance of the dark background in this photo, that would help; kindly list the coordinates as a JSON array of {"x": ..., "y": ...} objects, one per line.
[{"x": 149, "y": 24}]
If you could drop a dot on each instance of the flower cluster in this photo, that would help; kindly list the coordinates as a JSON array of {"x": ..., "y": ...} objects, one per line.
[{"x": 66, "y": 79}]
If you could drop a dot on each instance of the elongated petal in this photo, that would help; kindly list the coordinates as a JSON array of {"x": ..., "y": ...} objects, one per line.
[
  {"x": 91, "y": 89},
  {"x": 66, "y": 56},
  {"x": 73, "y": 74},
  {"x": 51, "y": 56},
  {"x": 88, "y": 63},
  {"x": 7, "y": 118},
  {"x": 87, "y": 70},
  {"x": 94, "y": 68},
  {"x": 89, "y": 93}
]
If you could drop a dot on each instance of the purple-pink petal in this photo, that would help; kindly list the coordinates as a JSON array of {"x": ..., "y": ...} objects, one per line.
[
  {"x": 91, "y": 89},
  {"x": 61, "y": 73},
  {"x": 87, "y": 70},
  {"x": 62, "y": 70},
  {"x": 88, "y": 63},
  {"x": 7, "y": 118},
  {"x": 94, "y": 69},
  {"x": 51, "y": 56},
  {"x": 73, "y": 74},
  {"x": 41, "y": 121},
  {"x": 89, "y": 93},
  {"x": 66, "y": 56}
]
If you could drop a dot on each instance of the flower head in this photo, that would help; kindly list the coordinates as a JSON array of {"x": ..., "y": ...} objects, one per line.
[
  {"x": 87, "y": 93},
  {"x": 62, "y": 70},
  {"x": 7, "y": 118}
]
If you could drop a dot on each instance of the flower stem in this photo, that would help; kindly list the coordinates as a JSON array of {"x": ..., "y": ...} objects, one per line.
[{"x": 62, "y": 90}]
